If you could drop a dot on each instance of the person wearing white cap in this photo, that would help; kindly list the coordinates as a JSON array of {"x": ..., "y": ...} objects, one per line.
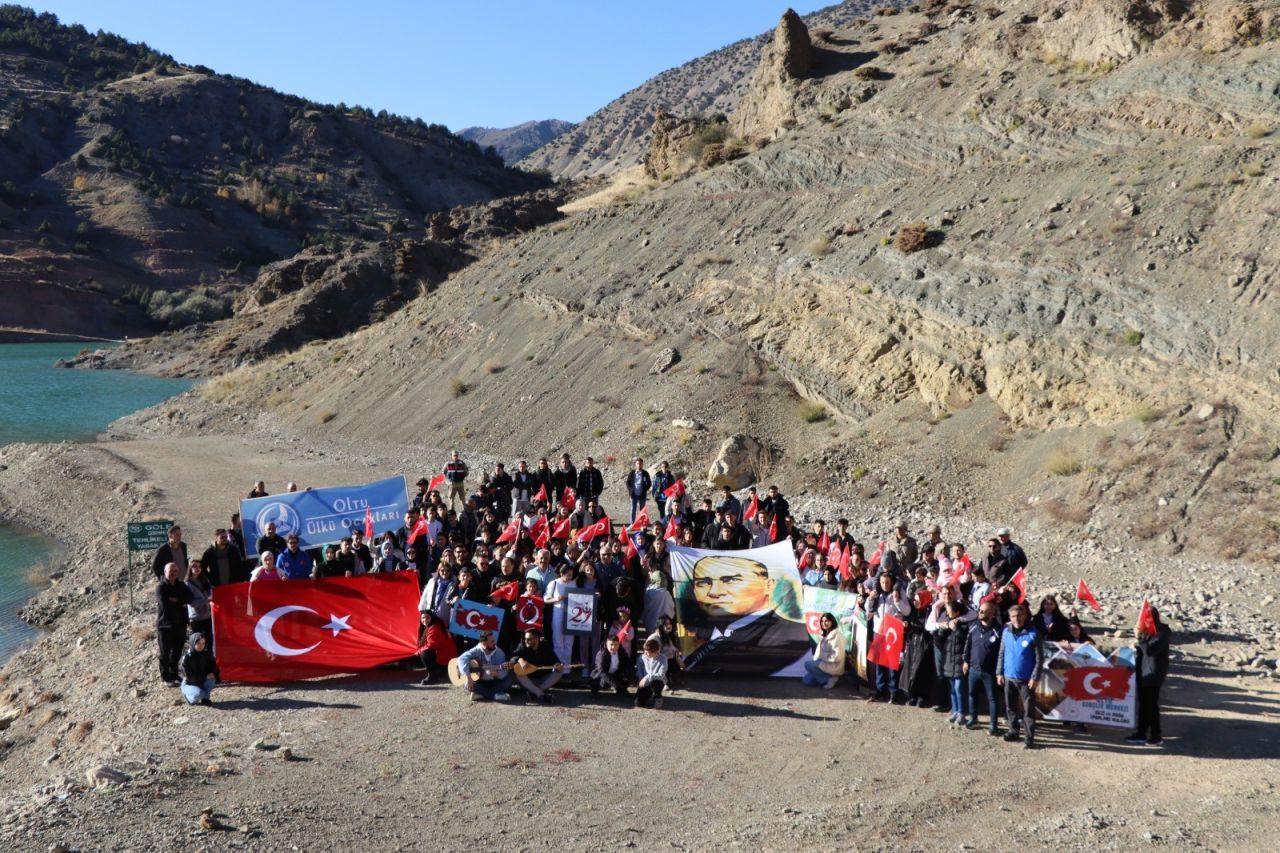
[{"x": 1014, "y": 557}]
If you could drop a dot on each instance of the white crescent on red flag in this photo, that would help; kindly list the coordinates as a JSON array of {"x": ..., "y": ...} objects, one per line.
[
  {"x": 675, "y": 490},
  {"x": 285, "y": 630},
  {"x": 642, "y": 520},
  {"x": 752, "y": 510},
  {"x": 1019, "y": 580},
  {"x": 435, "y": 483},
  {"x": 886, "y": 645},
  {"x": 568, "y": 500},
  {"x": 561, "y": 530},
  {"x": 601, "y": 528},
  {"x": 509, "y": 534},
  {"x": 673, "y": 528},
  {"x": 542, "y": 494}
]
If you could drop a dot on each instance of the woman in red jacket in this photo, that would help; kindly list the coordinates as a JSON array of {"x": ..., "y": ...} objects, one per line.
[{"x": 437, "y": 647}]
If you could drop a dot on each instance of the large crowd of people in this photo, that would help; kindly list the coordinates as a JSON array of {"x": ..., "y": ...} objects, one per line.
[{"x": 972, "y": 642}]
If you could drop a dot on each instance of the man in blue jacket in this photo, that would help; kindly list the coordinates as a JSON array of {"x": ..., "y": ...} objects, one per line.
[
  {"x": 981, "y": 654},
  {"x": 1017, "y": 669}
]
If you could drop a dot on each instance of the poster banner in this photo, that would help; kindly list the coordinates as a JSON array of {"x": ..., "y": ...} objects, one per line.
[
  {"x": 281, "y": 630},
  {"x": 740, "y": 612},
  {"x": 842, "y": 605},
  {"x": 1085, "y": 686},
  {"x": 469, "y": 618},
  {"x": 579, "y": 612},
  {"x": 528, "y": 612},
  {"x": 323, "y": 516}
]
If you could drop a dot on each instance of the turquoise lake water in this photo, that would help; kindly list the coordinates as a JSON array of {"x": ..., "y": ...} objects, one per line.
[{"x": 42, "y": 403}]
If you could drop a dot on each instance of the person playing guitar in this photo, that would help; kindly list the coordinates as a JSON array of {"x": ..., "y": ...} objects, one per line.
[
  {"x": 489, "y": 670},
  {"x": 532, "y": 653}
]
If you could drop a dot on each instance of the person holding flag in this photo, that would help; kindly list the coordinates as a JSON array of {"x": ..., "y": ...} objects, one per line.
[
  {"x": 887, "y": 599},
  {"x": 638, "y": 484},
  {"x": 662, "y": 481},
  {"x": 1152, "y": 666}
]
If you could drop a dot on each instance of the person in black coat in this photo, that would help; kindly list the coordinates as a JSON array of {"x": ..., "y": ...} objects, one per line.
[
  {"x": 565, "y": 476},
  {"x": 1153, "y": 667},
  {"x": 613, "y": 669},
  {"x": 172, "y": 598},
  {"x": 638, "y": 483},
  {"x": 1049, "y": 620},
  {"x": 223, "y": 563},
  {"x": 590, "y": 481},
  {"x": 173, "y": 551},
  {"x": 199, "y": 671}
]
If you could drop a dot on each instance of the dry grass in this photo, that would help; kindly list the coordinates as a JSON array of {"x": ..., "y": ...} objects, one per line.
[
  {"x": 1258, "y": 130},
  {"x": 1145, "y": 414},
  {"x": 1148, "y": 527},
  {"x": 819, "y": 246},
  {"x": 492, "y": 366},
  {"x": 48, "y": 717},
  {"x": 140, "y": 634},
  {"x": 812, "y": 413},
  {"x": 457, "y": 387},
  {"x": 912, "y": 238},
  {"x": 1063, "y": 464},
  {"x": 998, "y": 442},
  {"x": 1064, "y": 512},
  {"x": 80, "y": 731}
]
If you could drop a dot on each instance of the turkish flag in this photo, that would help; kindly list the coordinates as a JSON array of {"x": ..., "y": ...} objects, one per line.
[
  {"x": 561, "y": 530},
  {"x": 1086, "y": 683},
  {"x": 1083, "y": 593},
  {"x": 629, "y": 544},
  {"x": 542, "y": 493},
  {"x": 1146, "y": 620},
  {"x": 642, "y": 520},
  {"x": 506, "y": 592},
  {"x": 773, "y": 530},
  {"x": 368, "y": 524},
  {"x": 813, "y": 623},
  {"x": 878, "y": 553},
  {"x": 846, "y": 562},
  {"x": 603, "y": 527},
  {"x": 509, "y": 534},
  {"x": 284, "y": 630},
  {"x": 528, "y": 612},
  {"x": 753, "y": 508},
  {"x": 625, "y": 633},
  {"x": 1019, "y": 580},
  {"x": 568, "y": 499},
  {"x": 435, "y": 483},
  {"x": 673, "y": 529},
  {"x": 419, "y": 529},
  {"x": 824, "y": 543},
  {"x": 675, "y": 490},
  {"x": 886, "y": 645},
  {"x": 805, "y": 558}
]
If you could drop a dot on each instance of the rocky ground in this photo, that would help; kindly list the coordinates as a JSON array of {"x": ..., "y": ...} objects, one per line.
[{"x": 373, "y": 758}]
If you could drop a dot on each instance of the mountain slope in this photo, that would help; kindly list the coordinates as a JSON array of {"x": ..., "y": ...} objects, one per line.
[
  {"x": 514, "y": 143},
  {"x": 616, "y": 136},
  {"x": 125, "y": 173}
]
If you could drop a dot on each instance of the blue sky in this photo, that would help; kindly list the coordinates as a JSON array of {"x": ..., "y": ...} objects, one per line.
[{"x": 460, "y": 63}]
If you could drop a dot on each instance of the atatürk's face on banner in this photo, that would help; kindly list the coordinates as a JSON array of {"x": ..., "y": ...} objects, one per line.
[{"x": 731, "y": 586}]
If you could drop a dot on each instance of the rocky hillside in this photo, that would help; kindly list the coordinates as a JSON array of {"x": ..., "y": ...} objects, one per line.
[
  {"x": 972, "y": 256},
  {"x": 616, "y": 137},
  {"x": 514, "y": 143},
  {"x": 138, "y": 193}
]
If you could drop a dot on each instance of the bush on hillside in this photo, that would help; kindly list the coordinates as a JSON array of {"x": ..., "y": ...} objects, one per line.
[{"x": 177, "y": 310}]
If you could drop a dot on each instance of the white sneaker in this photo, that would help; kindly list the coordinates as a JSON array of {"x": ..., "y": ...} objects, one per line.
[
  {"x": 831, "y": 682},
  {"x": 502, "y": 697}
]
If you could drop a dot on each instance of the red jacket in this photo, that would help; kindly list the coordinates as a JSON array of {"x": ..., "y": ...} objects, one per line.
[{"x": 439, "y": 641}]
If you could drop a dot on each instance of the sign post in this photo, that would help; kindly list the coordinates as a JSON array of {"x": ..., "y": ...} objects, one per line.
[{"x": 143, "y": 536}]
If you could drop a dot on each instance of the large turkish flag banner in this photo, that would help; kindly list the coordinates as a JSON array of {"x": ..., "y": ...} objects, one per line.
[{"x": 284, "y": 630}]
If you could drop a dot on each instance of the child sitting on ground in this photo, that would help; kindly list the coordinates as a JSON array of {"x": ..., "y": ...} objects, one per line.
[{"x": 653, "y": 675}]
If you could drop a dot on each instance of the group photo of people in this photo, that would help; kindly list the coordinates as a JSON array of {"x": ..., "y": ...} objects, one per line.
[{"x": 675, "y": 589}]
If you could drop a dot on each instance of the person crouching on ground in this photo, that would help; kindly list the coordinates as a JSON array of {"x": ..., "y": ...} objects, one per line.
[
  {"x": 1018, "y": 666},
  {"x": 828, "y": 658},
  {"x": 437, "y": 649},
  {"x": 199, "y": 671},
  {"x": 495, "y": 675},
  {"x": 653, "y": 675},
  {"x": 613, "y": 669}
]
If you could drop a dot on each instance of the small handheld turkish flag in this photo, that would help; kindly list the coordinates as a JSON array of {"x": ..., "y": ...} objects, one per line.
[
  {"x": 642, "y": 520},
  {"x": 824, "y": 543},
  {"x": 625, "y": 633},
  {"x": 676, "y": 490},
  {"x": 846, "y": 562},
  {"x": 561, "y": 530},
  {"x": 542, "y": 494},
  {"x": 773, "y": 530},
  {"x": 591, "y": 531},
  {"x": 569, "y": 499},
  {"x": 1147, "y": 620},
  {"x": 285, "y": 630},
  {"x": 435, "y": 483},
  {"x": 629, "y": 544},
  {"x": 506, "y": 592},
  {"x": 368, "y": 524},
  {"x": 1083, "y": 593},
  {"x": 886, "y": 645},
  {"x": 419, "y": 529},
  {"x": 753, "y": 508},
  {"x": 673, "y": 529},
  {"x": 1019, "y": 580},
  {"x": 1087, "y": 683},
  {"x": 509, "y": 534}
]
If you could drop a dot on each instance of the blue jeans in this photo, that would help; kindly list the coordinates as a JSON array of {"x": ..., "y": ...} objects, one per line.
[
  {"x": 194, "y": 693},
  {"x": 886, "y": 681},
  {"x": 813, "y": 674},
  {"x": 957, "y": 696},
  {"x": 987, "y": 681},
  {"x": 489, "y": 687},
  {"x": 637, "y": 504}
]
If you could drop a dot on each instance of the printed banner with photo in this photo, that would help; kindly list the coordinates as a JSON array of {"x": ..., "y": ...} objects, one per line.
[
  {"x": 1086, "y": 686},
  {"x": 842, "y": 605},
  {"x": 324, "y": 516},
  {"x": 740, "y": 612}
]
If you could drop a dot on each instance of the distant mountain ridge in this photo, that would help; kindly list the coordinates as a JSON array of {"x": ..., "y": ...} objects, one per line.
[
  {"x": 138, "y": 193},
  {"x": 616, "y": 136},
  {"x": 515, "y": 143}
]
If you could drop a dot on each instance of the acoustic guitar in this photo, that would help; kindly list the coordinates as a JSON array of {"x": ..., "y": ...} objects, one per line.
[{"x": 477, "y": 671}]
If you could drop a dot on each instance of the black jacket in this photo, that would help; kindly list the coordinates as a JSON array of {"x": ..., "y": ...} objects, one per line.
[
  {"x": 164, "y": 555},
  {"x": 546, "y": 478},
  {"x": 198, "y": 666},
  {"x": 982, "y": 647},
  {"x": 952, "y": 642},
  {"x": 171, "y": 604},
  {"x": 275, "y": 544},
  {"x": 238, "y": 569},
  {"x": 561, "y": 479},
  {"x": 645, "y": 483},
  {"x": 1153, "y": 658},
  {"x": 1056, "y": 630},
  {"x": 590, "y": 483}
]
